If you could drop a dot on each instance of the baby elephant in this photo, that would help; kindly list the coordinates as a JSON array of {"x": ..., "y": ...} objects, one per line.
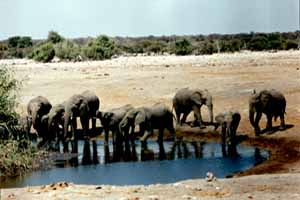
[
  {"x": 229, "y": 121},
  {"x": 159, "y": 116},
  {"x": 111, "y": 119}
]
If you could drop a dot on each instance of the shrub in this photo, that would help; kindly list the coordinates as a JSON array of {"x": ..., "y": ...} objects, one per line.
[
  {"x": 67, "y": 50},
  {"x": 99, "y": 49},
  {"x": 208, "y": 47},
  {"x": 258, "y": 43},
  {"x": 54, "y": 37},
  {"x": 19, "y": 42},
  {"x": 13, "y": 41},
  {"x": 43, "y": 53},
  {"x": 291, "y": 44},
  {"x": 3, "y": 51},
  {"x": 183, "y": 47},
  {"x": 8, "y": 88},
  {"x": 25, "y": 42}
]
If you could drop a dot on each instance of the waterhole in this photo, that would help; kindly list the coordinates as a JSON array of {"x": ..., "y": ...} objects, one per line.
[{"x": 165, "y": 163}]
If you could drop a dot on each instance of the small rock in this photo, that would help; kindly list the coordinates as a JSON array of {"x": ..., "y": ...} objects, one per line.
[
  {"x": 153, "y": 197},
  {"x": 98, "y": 188},
  {"x": 210, "y": 177},
  {"x": 106, "y": 74}
]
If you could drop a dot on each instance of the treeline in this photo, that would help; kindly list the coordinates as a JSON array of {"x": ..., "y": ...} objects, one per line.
[{"x": 104, "y": 47}]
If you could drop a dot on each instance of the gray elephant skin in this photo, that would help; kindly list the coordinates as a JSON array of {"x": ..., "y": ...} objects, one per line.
[
  {"x": 270, "y": 102},
  {"x": 110, "y": 121},
  {"x": 85, "y": 106},
  {"x": 159, "y": 116},
  {"x": 53, "y": 122},
  {"x": 229, "y": 121},
  {"x": 37, "y": 108},
  {"x": 187, "y": 100}
]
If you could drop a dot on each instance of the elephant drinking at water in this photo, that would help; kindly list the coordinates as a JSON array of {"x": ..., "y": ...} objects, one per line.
[
  {"x": 37, "y": 108},
  {"x": 159, "y": 116},
  {"x": 85, "y": 106},
  {"x": 187, "y": 100},
  {"x": 53, "y": 122},
  {"x": 270, "y": 102},
  {"x": 229, "y": 121},
  {"x": 110, "y": 121}
]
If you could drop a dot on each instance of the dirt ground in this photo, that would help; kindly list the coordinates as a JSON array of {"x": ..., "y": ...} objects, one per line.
[{"x": 146, "y": 80}]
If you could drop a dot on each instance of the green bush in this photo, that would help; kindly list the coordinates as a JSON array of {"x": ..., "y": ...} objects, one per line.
[
  {"x": 67, "y": 50},
  {"x": 208, "y": 47},
  {"x": 54, "y": 37},
  {"x": 8, "y": 88},
  {"x": 99, "y": 49},
  {"x": 258, "y": 43},
  {"x": 43, "y": 53},
  {"x": 291, "y": 44},
  {"x": 19, "y": 42},
  {"x": 183, "y": 47}
]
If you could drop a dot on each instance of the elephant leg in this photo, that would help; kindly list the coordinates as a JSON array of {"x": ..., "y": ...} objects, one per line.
[
  {"x": 256, "y": 123},
  {"x": 178, "y": 117},
  {"x": 73, "y": 128},
  {"x": 106, "y": 135},
  {"x": 160, "y": 138},
  {"x": 183, "y": 120},
  {"x": 282, "y": 122},
  {"x": 93, "y": 125},
  {"x": 269, "y": 122},
  {"x": 223, "y": 134},
  {"x": 85, "y": 126},
  {"x": 197, "y": 114}
]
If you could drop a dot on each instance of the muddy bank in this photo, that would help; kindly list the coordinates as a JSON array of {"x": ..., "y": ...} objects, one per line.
[{"x": 280, "y": 186}]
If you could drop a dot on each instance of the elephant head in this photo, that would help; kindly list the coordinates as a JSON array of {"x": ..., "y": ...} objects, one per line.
[
  {"x": 77, "y": 106},
  {"x": 229, "y": 121},
  {"x": 258, "y": 103},
  {"x": 106, "y": 118},
  {"x": 204, "y": 98},
  {"x": 54, "y": 119},
  {"x": 37, "y": 108},
  {"x": 129, "y": 119}
]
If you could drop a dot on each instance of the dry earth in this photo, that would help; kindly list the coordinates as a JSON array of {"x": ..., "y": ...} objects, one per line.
[{"x": 147, "y": 80}]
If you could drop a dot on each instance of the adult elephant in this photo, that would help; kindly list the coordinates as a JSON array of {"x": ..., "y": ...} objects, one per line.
[
  {"x": 53, "y": 122},
  {"x": 159, "y": 116},
  {"x": 37, "y": 108},
  {"x": 85, "y": 106},
  {"x": 229, "y": 121},
  {"x": 110, "y": 121},
  {"x": 270, "y": 102},
  {"x": 187, "y": 100}
]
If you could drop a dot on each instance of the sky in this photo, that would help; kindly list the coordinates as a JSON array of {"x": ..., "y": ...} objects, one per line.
[{"x": 82, "y": 18}]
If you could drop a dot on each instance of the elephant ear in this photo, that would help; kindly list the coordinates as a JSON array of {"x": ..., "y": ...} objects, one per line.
[
  {"x": 140, "y": 117},
  {"x": 44, "y": 119},
  {"x": 197, "y": 97},
  {"x": 84, "y": 108},
  {"x": 220, "y": 118}
]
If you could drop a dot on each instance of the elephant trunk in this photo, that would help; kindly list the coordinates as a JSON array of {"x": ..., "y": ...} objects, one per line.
[
  {"x": 211, "y": 113},
  {"x": 67, "y": 118},
  {"x": 251, "y": 117}
]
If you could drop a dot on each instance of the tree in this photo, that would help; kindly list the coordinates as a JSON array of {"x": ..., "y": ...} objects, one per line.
[
  {"x": 8, "y": 87},
  {"x": 100, "y": 48},
  {"x": 67, "y": 50},
  {"x": 183, "y": 47},
  {"x": 44, "y": 53},
  {"x": 54, "y": 37}
]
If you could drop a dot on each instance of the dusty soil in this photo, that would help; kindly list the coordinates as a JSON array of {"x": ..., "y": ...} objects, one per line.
[{"x": 147, "y": 80}]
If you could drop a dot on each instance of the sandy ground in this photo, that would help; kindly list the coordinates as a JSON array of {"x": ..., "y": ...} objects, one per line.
[{"x": 147, "y": 80}]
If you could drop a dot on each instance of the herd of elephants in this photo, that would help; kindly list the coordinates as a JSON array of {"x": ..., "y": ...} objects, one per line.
[{"x": 58, "y": 123}]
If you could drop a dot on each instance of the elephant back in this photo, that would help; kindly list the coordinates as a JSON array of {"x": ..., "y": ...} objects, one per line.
[{"x": 92, "y": 100}]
